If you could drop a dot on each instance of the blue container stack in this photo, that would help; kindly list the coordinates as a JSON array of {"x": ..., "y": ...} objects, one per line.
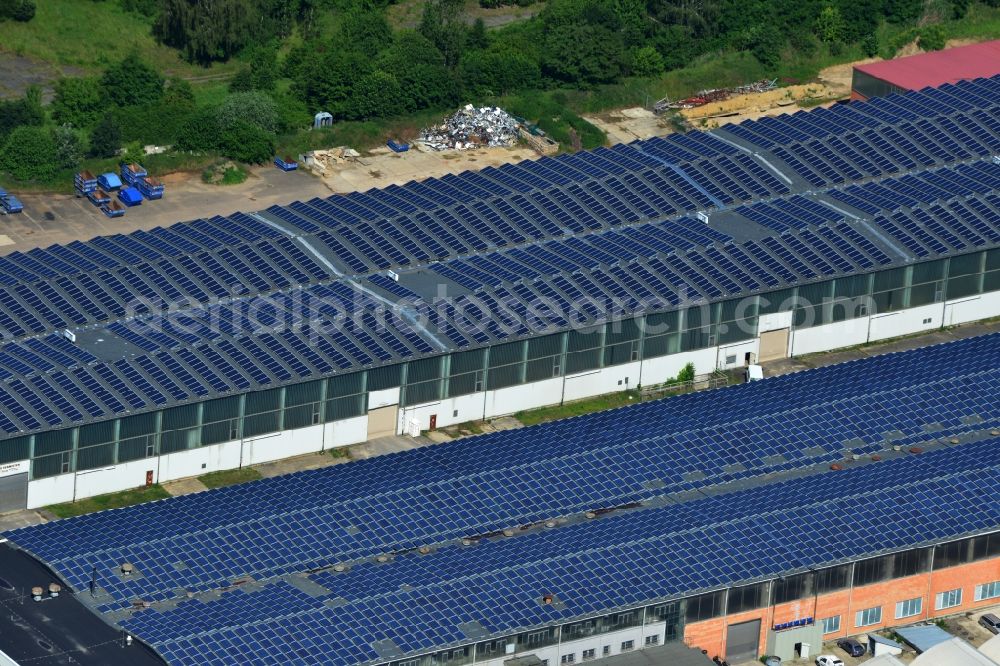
[
  {"x": 132, "y": 173},
  {"x": 150, "y": 187},
  {"x": 9, "y": 203},
  {"x": 98, "y": 197},
  {"x": 113, "y": 209},
  {"x": 397, "y": 146},
  {"x": 84, "y": 183},
  {"x": 286, "y": 164}
]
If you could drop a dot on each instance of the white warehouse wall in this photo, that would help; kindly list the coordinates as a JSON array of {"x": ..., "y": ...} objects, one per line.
[
  {"x": 194, "y": 462},
  {"x": 963, "y": 310},
  {"x": 829, "y": 336},
  {"x": 906, "y": 322},
  {"x": 613, "y": 639},
  {"x": 67, "y": 487}
]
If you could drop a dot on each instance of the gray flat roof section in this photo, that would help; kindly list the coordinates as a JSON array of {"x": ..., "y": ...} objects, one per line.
[
  {"x": 673, "y": 654},
  {"x": 60, "y": 630}
]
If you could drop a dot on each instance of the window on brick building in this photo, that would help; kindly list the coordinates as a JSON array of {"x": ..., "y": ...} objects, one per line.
[
  {"x": 589, "y": 654},
  {"x": 628, "y": 646},
  {"x": 830, "y": 624},
  {"x": 909, "y": 607},
  {"x": 653, "y": 640},
  {"x": 868, "y": 616},
  {"x": 948, "y": 599},
  {"x": 568, "y": 659},
  {"x": 988, "y": 590}
]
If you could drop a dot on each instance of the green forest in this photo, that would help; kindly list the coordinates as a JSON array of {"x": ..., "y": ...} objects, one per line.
[{"x": 242, "y": 78}]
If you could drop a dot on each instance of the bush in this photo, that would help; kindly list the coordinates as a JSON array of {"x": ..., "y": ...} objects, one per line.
[
  {"x": 69, "y": 147},
  {"x": 931, "y": 38},
  {"x": 132, "y": 82},
  {"x": 77, "y": 101},
  {"x": 686, "y": 374},
  {"x": 30, "y": 153},
  {"x": 106, "y": 138},
  {"x": 200, "y": 132},
  {"x": 248, "y": 143},
  {"x": 19, "y": 10},
  {"x": 647, "y": 61},
  {"x": 253, "y": 107}
]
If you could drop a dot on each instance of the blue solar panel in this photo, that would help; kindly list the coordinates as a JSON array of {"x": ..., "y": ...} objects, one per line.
[{"x": 298, "y": 524}]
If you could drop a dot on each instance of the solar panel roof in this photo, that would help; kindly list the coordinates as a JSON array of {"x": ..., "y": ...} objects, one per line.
[
  {"x": 193, "y": 311},
  {"x": 757, "y": 454}
]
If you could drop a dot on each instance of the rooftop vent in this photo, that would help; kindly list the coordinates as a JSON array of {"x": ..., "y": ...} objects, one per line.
[
  {"x": 54, "y": 589},
  {"x": 127, "y": 569},
  {"x": 36, "y": 593}
]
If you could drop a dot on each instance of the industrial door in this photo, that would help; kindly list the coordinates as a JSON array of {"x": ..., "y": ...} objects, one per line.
[
  {"x": 13, "y": 492},
  {"x": 741, "y": 641},
  {"x": 773, "y": 344},
  {"x": 382, "y": 421}
]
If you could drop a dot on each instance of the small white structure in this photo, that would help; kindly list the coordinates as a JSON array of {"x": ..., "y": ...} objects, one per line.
[
  {"x": 322, "y": 119},
  {"x": 879, "y": 645}
]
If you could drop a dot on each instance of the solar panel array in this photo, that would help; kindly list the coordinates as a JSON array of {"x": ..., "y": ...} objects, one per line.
[
  {"x": 642, "y": 557},
  {"x": 392, "y": 505},
  {"x": 246, "y": 302}
]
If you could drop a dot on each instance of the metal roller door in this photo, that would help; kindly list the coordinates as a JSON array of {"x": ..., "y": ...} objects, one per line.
[
  {"x": 382, "y": 422},
  {"x": 741, "y": 641},
  {"x": 13, "y": 492}
]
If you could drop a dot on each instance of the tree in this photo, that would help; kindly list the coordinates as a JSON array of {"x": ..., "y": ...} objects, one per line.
[
  {"x": 20, "y": 112},
  {"x": 248, "y": 143},
  {"x": 499, "y": 72},
  {"x": 325, "y": 81},
  {"x": 131, "y": 82},
  {"x": 443, "y": 23},
  {"x": 959, "y": 8},
  {"x": 646, "y": 61},
  {"x": 870, "y": 45},
  {"x": 19, "y": 10},
  {"x": 830, "y": 25},
  {"x": 200, "y": 133},
  {"x": 242, "y": 80},
  {"x": 208, "y": 31},
  {"x": 365, "y": 31},
  {"x": 861, "y": 17},
  {"x": 901, "y": 11},
  {"x": 263, "y": 68},
  {"x": 582, "y": 54},
  {"x": 69, "y": 148},
  {"x": 476, "y": 37},
  {"x": 77, "y": 101},
  {"x": 105, "y": 138},
  {"x": 376, "y": 95},
  {"x": 253, "y": 108},
  {"x": 30, "y": 154},
  {"x": 932, "y": 38},
  {"x": 178, "y": 93}
]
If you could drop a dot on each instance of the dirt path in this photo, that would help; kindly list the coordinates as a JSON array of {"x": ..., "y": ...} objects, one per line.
[{"x": 381, "y": 167}]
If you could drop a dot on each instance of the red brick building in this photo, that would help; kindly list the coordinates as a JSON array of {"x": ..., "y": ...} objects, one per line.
[{"x": 858, "y": 597}]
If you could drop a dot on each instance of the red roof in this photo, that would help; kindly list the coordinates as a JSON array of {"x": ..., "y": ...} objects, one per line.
[{"x": 938, "y": 67}]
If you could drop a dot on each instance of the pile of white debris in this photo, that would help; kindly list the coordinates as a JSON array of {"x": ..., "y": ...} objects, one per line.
[{"x": 471, "y": 127}]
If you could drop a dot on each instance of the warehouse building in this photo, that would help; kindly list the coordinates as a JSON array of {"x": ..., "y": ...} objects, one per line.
[
  {"x": 761, "y": 518},
  {"x": 210, "y": 345},
  {"x": 925, "y": 70}
]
